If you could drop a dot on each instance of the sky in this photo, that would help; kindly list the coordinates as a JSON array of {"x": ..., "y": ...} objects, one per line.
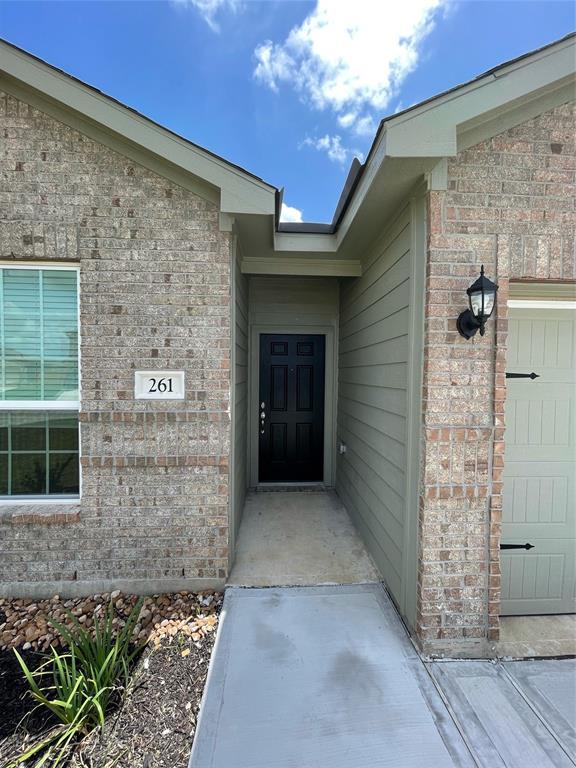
[{"x": 290, "y": 90}]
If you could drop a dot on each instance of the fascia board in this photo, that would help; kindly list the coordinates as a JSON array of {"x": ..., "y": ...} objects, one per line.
[
  {"x": 431, "y": 131},
  {"x": 290, "y": 242},
  {"x": 256, "y": 196},
  {"x": 236, "y": 201},
  {"x": 379, "y": 154}
]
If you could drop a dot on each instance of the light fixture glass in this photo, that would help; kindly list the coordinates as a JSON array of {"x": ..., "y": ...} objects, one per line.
[{"x": 482, "y": 299}]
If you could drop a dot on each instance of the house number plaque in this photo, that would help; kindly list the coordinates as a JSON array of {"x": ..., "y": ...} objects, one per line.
[{"x": 159, "y": 385}]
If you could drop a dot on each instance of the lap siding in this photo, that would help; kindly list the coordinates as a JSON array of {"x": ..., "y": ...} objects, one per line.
[{"x": 374, "y": 353}]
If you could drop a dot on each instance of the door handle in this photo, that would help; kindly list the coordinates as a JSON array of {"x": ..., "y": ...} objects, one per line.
[{"x": 262, "y": 417}]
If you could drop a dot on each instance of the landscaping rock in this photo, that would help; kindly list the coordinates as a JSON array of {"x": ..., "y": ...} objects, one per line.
[{"x": 27, "y": 623}]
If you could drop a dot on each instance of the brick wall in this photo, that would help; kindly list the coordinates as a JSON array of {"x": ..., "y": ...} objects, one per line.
[
  {"x": 155, "y": 288},
  {"x": 510, "y": 205}
]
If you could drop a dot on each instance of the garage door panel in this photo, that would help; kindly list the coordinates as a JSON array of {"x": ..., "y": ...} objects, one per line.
[
  {"x": 547, "y": 341},
  {"x": 539, "y": 496},
  {"x": 539, "y": 417},
  {"x": 539, "y": 580},
  {"x": 540, "y": 464}
]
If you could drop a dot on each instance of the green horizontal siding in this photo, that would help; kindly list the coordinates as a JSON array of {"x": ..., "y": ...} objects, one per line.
[
  {"x": 374, "y": 352},
  {"x": 240, "y": 393}
]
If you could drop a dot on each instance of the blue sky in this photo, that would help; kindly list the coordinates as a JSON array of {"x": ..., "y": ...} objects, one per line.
[{"x": 290, "y": 90}]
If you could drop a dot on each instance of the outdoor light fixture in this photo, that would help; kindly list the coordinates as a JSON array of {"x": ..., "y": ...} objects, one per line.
[{"x": 482, "y": 298}]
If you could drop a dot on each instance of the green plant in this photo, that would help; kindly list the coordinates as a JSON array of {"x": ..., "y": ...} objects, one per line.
[{"x": 78, "y": 685}]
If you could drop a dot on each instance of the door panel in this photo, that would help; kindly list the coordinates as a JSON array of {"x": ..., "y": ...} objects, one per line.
[
  {"x": 291, "y": 432},
  {"x": 538, "y": 581},
  {"x": 540, "y": 464}
]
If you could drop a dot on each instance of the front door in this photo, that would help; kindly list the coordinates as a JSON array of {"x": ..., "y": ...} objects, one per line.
[
  {"x": 291, "y": 408},
  {"x": 540, "y": 464}
]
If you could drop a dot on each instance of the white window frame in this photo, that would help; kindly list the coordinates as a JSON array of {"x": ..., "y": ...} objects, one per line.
[{"x": 48, "y": 405}]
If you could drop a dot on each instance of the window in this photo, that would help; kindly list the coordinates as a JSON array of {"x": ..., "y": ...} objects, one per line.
[{"x": 39, "y": 400}]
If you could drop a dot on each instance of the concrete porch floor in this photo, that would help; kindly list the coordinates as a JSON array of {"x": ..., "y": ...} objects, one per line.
[
  {"x": 299, "y": 538},
  {"x": 525, "y": 636}
]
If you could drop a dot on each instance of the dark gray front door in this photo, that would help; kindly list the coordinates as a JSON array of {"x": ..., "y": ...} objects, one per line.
[{"x": 291, "y": 413}]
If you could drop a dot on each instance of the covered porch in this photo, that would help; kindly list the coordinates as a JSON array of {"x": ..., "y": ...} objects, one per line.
[
  {"x": 326, "y": 372},
  {"x": 299, "y": 537}
]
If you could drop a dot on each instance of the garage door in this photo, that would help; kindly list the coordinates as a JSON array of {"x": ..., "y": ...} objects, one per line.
[{"x": 540, "y": 463}]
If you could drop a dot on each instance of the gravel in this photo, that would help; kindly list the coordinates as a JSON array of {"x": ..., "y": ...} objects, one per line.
[{"x": 25, "y": 623}]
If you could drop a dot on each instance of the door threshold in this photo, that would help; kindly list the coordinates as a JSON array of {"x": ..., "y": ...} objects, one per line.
[{"x": 289, "y": 487}]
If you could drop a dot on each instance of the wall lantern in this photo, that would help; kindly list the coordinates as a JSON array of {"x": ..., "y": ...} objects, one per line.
[{"x": 482, "y": 298}]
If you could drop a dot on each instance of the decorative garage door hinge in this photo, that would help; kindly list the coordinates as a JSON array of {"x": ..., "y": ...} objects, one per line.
[
  {"x": 516, "y": 546},
  {"x": 522, "y": 375}
]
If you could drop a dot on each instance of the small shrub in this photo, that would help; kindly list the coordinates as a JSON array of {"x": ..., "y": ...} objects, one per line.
[{"x": 79, "y": 684}]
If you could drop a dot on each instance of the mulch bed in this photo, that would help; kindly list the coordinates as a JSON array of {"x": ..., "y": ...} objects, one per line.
[
  {"x": 155, "y": 724},
  {"x": 15, "y": 705}
]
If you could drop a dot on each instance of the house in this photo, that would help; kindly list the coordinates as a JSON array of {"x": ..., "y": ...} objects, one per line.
[{"x": 151, "y": 296}]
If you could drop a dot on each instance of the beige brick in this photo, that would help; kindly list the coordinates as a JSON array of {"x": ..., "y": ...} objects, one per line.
[
  {"x": 510, "y": 206},
  {"x": 155, "y": 285}
]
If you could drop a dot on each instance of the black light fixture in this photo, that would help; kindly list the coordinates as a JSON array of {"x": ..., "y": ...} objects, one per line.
[{"x": 482, "y": 299}]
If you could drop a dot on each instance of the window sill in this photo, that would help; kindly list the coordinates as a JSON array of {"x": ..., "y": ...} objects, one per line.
[{"x": 40, "y": 514}]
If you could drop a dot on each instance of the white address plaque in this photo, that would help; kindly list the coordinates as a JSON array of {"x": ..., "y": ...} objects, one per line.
[{"x": 159, "y": 385}]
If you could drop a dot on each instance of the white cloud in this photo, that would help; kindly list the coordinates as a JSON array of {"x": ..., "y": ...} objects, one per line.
[
  {"x": 333, "y": 147},
  {"x": 347, "y": 120},
  {"x": 348, "y": 56},
  {"x": 209, "y": 9},
  {"x": 365, "y": 126},
  {"x": 274, "y": 64},
  {"x": 288, "y": 214}
]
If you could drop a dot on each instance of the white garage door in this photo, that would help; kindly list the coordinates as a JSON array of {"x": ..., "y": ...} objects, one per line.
[{"x": 540, "y": 463}]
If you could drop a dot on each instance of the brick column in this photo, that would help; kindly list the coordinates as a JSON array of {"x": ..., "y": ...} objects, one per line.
[
  {"x": 457, "y": 552},
  {"x": 509, "y": 204}
]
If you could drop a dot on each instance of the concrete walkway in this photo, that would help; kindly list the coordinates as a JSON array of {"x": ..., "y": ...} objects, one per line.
[
  {"x": 320, "y": 677},
  {"x": 326, "y": 677},
  {"x": 299, "y": 538}
]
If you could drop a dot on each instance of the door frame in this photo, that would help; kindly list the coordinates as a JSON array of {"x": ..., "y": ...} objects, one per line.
[{"x": 330, "y": 384}]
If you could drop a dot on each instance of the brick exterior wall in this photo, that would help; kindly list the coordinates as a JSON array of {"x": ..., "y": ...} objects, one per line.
[
  {"x": 510, "y": 205},
  {"x": 155, "y": 294}
]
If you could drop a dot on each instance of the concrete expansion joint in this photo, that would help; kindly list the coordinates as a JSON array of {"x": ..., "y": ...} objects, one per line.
[{"x": 307, "y": 586}]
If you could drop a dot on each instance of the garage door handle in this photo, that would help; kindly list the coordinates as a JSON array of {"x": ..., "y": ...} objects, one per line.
[
  {"x": 522, "y": 375},
  {"x": 516, "y": 546}
]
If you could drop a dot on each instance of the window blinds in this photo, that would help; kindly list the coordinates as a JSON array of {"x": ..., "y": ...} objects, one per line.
[{"x": 38, "y": 334}]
